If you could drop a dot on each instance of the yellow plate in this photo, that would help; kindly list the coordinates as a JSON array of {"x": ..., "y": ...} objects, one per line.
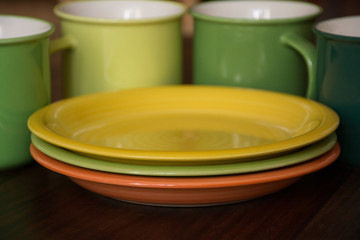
[{"x": 183, "y": 123}]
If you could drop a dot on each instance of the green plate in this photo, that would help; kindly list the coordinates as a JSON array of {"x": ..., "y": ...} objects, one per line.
[{"x": 302, "y": 155}]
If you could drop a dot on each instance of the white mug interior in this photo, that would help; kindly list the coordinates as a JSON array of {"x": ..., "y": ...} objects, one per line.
[
  {"x": 18, "y": 26},
  {"x": 344, "y": 26},
  {"x": 255, "y": 10},
  {"x": 122, "y": 10}
]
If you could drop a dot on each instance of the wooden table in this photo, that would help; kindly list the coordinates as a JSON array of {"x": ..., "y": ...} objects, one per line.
[{"x": 37, "y": 204}]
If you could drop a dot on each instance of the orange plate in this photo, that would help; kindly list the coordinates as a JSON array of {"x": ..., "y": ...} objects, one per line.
[{"x": 186, "y": 191}]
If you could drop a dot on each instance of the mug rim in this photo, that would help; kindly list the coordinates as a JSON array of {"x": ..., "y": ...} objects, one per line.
[
  {"x": 102, "y": 20},
  {"x": 25, "y": 38},
  {"x": 337, "y": 36},
  {"x": 317, "y": 11}
]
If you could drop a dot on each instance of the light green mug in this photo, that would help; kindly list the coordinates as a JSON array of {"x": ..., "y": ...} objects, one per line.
[
  {"x": 24, "y": 83},
  {"x": 255, "y": 44},
  {"x": 112, "y": 45}
]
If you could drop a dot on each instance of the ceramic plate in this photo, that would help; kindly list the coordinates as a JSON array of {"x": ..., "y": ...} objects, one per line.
[
  {"x": 183, "y": 123},
  {"x": 72, "y": 158},
  {"x": 186, "y": 191}
]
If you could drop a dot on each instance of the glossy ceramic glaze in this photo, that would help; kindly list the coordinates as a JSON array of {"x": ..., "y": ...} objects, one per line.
[
  {"x": 25, "y": 83},
  {"x": 256, "y": 44},
  {"x": 186, "y": 191},
  {"x": 305, "y": 154},
  {"x": 184, "y": 123},
  {"x": 115, "y": 45},
  {"x": 338, "y": 78}
]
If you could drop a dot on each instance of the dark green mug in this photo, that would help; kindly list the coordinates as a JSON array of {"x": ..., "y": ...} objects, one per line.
[
  {"x": 255, "y": 44},
  {"x": 338, "y": 79}
]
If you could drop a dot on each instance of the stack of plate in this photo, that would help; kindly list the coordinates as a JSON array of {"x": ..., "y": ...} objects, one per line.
[{"x": 185, "y": 145}]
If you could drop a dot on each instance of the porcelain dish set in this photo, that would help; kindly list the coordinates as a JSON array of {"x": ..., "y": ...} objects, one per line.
[
  {"x": 263, "y": 109},
  {"x": 185, "y": 145}
]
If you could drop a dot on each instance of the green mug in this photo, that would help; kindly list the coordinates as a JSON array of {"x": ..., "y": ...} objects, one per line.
[
  {"x": 338, "y": 79},
  {"x": 25, "y": 83},
  {"x": 112, "y": 45},
  {"x": 255, "y": 44}
]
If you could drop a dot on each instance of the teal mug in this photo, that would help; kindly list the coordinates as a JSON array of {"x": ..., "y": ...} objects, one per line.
[
  {"x": 338, "y": 79},
  {"x": 255, "y": 44},
  {"x": 25, "y": 83}
]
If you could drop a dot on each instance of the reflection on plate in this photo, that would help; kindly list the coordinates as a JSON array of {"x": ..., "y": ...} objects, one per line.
[
  {"x": 183, "y": 123},
  {"x": 72, "y": 158},
  {"x": 186, "y": 191}
]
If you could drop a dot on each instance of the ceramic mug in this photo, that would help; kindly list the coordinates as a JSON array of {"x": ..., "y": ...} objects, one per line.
[
  {"x": 255, "y": 44},
  {"x": 112, "y": 45},
  {"x": 24, "y": 83},
  {"x": 338, "y": 79}
]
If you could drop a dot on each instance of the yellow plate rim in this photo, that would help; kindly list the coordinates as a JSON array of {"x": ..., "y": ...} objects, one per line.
[{"x": 328, "y": 126}]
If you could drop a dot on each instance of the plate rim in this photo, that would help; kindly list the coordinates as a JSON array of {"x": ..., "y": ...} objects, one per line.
[
  {"x": 187, "y": 182},
  {"x": 36, "y": 126},
  {"x": 66, "y": 156}
]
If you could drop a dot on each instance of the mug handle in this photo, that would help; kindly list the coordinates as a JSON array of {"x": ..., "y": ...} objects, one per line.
[
  {"x": 62, "y": 43},
  {"x": 308, "y": 52}
]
